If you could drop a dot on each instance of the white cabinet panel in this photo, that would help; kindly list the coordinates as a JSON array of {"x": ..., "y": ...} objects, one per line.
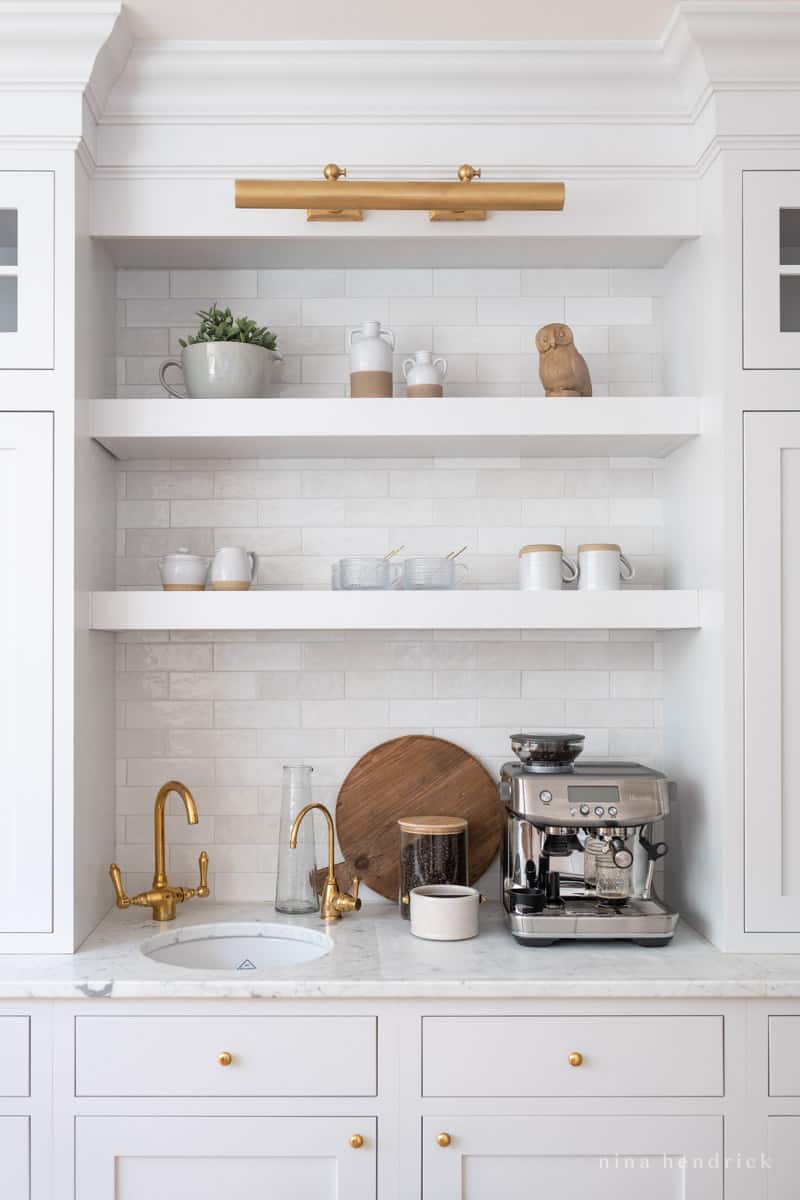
[
  {"x": 26, "y": 269},
  {"x": 784, "y": 1056},
  {"x": 26, "y": 680},
  {"x": 772, "y": 671},
  {"x": 607, "y": 1158},
  {"x": 14, "y": 1158},
  {"x": 15, "y": 1055},
  {"x": 771, "y": 269},
  {"x": 529, "y": 1056},
  {"x": 272, "y": 1056},
  {"x": 163, "y": 1158},
  {"x": 783, "y": 1149}
]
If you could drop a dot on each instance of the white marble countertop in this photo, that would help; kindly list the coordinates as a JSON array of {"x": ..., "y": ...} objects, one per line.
[{"x": 375, "y": 956}]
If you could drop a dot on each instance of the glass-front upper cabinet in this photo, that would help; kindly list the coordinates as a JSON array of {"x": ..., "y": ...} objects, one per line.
[{"x": 26, "y": 270}]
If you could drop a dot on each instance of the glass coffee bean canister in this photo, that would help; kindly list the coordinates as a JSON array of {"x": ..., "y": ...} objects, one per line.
[{"x": 432, "y": 850}]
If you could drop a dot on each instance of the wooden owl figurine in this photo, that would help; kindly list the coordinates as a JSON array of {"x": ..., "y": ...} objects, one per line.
[{"x": 562, "y": 368}]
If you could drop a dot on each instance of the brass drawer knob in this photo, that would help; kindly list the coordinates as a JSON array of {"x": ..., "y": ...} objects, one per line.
[
  {"x": 443, "y": 1140},
  {"x": 575, "y": 1059},
  {"x": 224, "y": 1058},
  {"x": 356, "y": 1141}
]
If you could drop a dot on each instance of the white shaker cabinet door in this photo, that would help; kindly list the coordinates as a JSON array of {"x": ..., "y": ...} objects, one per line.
[
  {"x": 26, "y": 678},
  {"x": 604, "y": 1157},
  {"x": 14, "y": 1158},
  {"x": 26, "y": 269},
  {"x": 771, "y": 743},
  {"x": 783, "y": 1149},
  {"x": 205, "y": 1158}
]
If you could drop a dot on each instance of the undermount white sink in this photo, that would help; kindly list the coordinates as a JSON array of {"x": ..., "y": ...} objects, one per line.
[{"x": 237, "y": 946}]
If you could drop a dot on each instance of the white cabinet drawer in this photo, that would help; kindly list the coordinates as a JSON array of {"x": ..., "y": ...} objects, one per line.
[
  {"x": 15, "y": 1056},
  {"x": 530, "y": 1056},
  {"x": 270, "y": 1056},
  {"x": 784, "y": 1056}
]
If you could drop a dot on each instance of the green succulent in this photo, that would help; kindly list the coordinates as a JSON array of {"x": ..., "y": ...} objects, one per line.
[{"x": 220, "y": 325}]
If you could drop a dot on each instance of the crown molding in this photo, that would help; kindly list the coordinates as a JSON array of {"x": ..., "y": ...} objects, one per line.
[{"x": 52, "y": 49}]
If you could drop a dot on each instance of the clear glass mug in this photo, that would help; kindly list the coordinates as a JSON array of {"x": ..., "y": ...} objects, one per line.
[
  {"x": 427, "y": 573},
  {"x": 365, "y": 573}
]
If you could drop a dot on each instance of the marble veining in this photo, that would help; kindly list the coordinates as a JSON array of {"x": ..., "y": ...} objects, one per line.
[{"x": 375, "y": 956}]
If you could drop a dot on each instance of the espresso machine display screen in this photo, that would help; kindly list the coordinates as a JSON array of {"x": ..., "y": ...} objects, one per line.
[{"x": 593, "y": 795}]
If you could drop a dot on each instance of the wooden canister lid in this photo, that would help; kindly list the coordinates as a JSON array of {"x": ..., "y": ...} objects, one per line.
[
  {"x": 432, "y": 826},
  {"x": 533, "y": 549},
  {"x": 599, "y": 546}
]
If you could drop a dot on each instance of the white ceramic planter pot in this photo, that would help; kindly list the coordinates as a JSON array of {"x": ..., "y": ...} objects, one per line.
[{"x": 225, "y": 371}]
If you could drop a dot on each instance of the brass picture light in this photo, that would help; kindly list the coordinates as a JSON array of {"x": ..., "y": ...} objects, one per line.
[{"x": 335, "y": 198}]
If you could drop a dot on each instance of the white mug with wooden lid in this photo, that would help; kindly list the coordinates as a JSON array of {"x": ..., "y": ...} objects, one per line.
[
  {"x": 545, "y": 568},
  {"x": 602, "y": 567}
]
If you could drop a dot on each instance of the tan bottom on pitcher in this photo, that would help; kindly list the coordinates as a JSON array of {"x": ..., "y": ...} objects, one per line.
[
  {"x": 183, "y": 587},
  {"x": 230, "y": 585},
  {"x": 370, "y": 383},
  {"x": 425, "y": 389}
]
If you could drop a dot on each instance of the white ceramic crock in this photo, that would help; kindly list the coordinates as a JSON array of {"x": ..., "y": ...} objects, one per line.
[
  {"x": 444, "y": 912},
  {"x": 544, "y": 568},
  {"x": 225, "y": 371},
  {"x": 602, "y": 567},
  {"x": 232, "y": 570},
  {"x": 424, "y": 374},
  {"x": 183, "y": 572}
]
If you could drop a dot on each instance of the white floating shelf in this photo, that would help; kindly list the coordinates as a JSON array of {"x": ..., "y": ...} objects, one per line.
[
  {"x": 396, "y": 610},
  {"x": 472, "y": 426}
]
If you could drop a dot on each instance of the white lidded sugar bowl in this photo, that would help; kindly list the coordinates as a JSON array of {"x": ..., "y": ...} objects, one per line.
[
  {"x": 371, "y": 360},
  {"x": 424, "y": 374},
  {"x": 183, "y": 572}
]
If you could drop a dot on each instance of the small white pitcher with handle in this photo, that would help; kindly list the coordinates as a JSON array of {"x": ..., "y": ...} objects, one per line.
[
  {"x": 232, "y": 570},
  {"x": 424, "y": 374}
]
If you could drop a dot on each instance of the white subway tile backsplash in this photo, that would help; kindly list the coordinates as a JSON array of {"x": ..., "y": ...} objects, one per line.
[
  {"x": 395, "y": 281},
  {"x": 612, "y": 310},
  {"x": 565, "y": 281},
  {"x": 483, "y": 281},
  {"x": 225, "y": 710},
  {"x": 144, "y": 285},
  {"x": 530, "y": 311},
  {"x": 219, "y": 284},
  {"x": 302, "y": 284}
]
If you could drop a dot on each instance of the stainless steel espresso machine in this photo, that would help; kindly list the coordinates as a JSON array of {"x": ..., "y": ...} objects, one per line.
[{"x": 578, "y": 855}]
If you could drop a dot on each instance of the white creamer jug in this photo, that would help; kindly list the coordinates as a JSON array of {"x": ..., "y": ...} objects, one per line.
[
  {"x": 424, "y": 374},
  {"x": 371, "y": 360}
]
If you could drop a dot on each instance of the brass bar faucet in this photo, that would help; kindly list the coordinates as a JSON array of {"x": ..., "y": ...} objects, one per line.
[
  {"x": 333, "y": 902},
  {"x": 163, "y": 898}
]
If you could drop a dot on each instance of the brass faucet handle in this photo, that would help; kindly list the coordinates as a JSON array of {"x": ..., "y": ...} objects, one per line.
[
  {"x": 202, "y": 891},
  {"x": 344, "y": 902},
  {"x": 123, "y": 900}
]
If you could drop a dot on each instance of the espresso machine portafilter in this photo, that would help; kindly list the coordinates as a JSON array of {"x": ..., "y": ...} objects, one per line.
[{"x": 579, "y": 853}]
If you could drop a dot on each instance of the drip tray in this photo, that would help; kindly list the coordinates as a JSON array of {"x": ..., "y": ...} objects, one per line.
[{"x": 647, "y": 922}]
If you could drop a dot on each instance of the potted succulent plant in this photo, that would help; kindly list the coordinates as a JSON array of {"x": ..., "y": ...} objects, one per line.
[{"x": 227, "y": 357}]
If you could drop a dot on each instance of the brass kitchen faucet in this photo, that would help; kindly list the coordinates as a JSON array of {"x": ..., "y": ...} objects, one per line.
[{"x": 163, "y": 898}]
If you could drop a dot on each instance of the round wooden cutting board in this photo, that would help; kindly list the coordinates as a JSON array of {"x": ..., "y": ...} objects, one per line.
[{"x": 407, "y": 777}]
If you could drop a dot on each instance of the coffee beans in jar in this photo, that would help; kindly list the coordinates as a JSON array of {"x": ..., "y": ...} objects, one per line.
[{"x": 432, "y": 850}]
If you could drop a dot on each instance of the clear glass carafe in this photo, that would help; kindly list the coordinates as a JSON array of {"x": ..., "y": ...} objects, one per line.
[{"x": 295, "y": 891}]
